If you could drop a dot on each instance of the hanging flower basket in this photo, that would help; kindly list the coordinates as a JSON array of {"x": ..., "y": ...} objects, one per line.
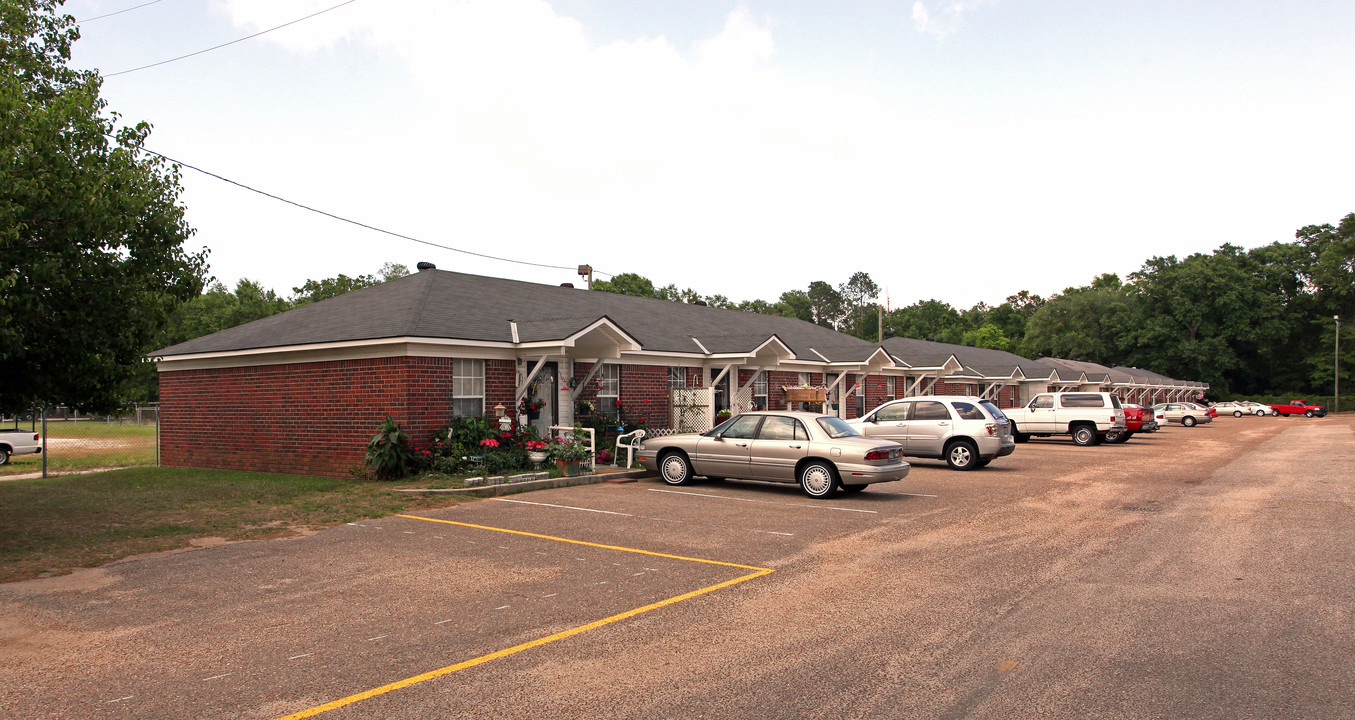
[{"x": 805, "y": 394}]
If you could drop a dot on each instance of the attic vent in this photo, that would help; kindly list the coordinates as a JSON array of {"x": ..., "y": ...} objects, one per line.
[
  {"x": 568, "y": 285},
  {"x": 426, "y": 266}
]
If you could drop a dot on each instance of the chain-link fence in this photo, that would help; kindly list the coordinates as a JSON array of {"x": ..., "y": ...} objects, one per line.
[{"x": 74, "y": 443}]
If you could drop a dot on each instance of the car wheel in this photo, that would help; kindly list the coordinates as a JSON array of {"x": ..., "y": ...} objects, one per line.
[
  {"x": 4, "y": 456},
  {"x": 818, "y": 479},
  {"x": 1237, "y": 413},
  {"x": 1308, "y": 413},
  {"x": 1018, "y": 436},
  {"x": 1188, "y": 421},
  {"x": 853, "y": 489},
  {"x": 675, "y": 469},
  {"x": 1084, "y": 435},
  {"x": 961, "y": 455}
]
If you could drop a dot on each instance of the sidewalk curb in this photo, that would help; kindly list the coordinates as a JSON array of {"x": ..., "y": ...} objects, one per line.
[{"x": 530, "y": 485}]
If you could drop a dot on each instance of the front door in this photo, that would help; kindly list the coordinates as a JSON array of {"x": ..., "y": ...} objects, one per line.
[
  {"x": 889, "y": 423},
  {"x": 727, "y": 455},
  {"x": 545, "y": 388}
]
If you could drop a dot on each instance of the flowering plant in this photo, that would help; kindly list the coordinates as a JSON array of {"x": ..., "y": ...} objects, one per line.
[
  {"x": 568, "y": 449},
  {"x": 530, "y": 405},
  {"x": 489, "y": 442},
  {"x": 534, "y": 445}
]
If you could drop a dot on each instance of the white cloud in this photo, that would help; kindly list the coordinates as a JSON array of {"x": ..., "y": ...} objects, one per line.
[{"x": 949, "y": 17}]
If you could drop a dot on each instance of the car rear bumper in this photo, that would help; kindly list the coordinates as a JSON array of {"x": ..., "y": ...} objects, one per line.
[{"x": 868, "y": 474}]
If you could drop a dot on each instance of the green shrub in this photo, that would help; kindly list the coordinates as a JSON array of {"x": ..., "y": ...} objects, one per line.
[{"x": 389, "y": 456}]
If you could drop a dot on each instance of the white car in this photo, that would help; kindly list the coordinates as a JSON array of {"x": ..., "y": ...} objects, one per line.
[
  {"x": 1236, "y": 409},
  {"x": 1259, "y": 409}
]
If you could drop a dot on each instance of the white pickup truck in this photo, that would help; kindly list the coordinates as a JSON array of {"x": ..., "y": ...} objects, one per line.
[
  {"x": 1087, "y": 416},
  {"x": 18, "y": 442}
]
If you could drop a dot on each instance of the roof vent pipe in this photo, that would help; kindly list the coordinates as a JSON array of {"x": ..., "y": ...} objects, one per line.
[
  {"x": 426, "y": 266},
  {"x": 568, "y": 285},
  {"x": 702, "y": 303}
]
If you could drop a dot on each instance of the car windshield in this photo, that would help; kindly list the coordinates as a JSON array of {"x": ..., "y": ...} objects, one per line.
[
  {"x": 836, "y": 427},
  {"x": 718, "y": 428}
]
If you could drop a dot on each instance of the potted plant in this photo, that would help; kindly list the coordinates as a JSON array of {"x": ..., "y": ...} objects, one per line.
[
  {"x": 583, "y": 407},
  {"x": 568, "y": 453},
  {"x": 722, "y": 416},
  {"x": 536, "y": 451}
]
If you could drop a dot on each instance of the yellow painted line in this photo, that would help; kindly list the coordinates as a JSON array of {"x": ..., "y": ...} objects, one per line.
[
  {"x": 433, "y": 674},
  {"x": 581, "y": 542}
]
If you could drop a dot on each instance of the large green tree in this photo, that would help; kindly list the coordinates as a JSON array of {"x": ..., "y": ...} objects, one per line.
[
  {"x": 92, "y": 258},
  {"x": 1086, "y": 323},
  {"x": 316, "y": 290}
]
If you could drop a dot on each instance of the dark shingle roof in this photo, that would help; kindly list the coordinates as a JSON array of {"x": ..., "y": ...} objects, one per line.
[
  {"x": 977, "y": 361},
  {"x": 447, "y": 305}
]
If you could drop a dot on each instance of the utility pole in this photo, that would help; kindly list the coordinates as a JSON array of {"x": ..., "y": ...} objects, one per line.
[
  {"x": 1336, "y": 365},
  {"x": 587, "y": 271}
]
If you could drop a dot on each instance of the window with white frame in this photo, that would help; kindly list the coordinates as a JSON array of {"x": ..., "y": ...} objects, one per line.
[
  {"x": 679, "y": 378},
  {"x": 609, "y": 388},
  {"x": 890, "y": 387},
  {"x": 468, "y": 388},
  {"x": 760, "y": 390},
  {"x": 804, "y": 379}
]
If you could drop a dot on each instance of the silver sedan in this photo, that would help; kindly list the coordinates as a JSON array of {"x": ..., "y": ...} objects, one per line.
[{"x": 820, "y": 452}]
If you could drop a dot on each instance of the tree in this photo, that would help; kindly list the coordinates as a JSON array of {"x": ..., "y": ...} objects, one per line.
[
  {"x": 316, "y": 290},
  {"x": 1086, "y": 323},
  {"x": 627, "y": 284},
  {"x": 92, "y": 258},
  {"x": 827, "y": 303},
  {"x": 927, "y": 320}
]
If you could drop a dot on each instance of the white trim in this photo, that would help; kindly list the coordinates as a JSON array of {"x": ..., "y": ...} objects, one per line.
[{"x": 704, "y": 351}]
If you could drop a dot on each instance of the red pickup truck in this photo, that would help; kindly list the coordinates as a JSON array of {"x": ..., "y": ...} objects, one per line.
[{"x": 1299, "y": 407}]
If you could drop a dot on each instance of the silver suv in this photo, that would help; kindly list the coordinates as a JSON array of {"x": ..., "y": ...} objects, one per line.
[{"x": 968, "y": 432}]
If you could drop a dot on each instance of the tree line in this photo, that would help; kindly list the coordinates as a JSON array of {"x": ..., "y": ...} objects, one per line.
[{"x": 1248, "y": 322}]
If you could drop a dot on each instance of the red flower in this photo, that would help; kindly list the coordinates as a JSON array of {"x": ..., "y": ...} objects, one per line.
[{"x": 645, "y": 400}]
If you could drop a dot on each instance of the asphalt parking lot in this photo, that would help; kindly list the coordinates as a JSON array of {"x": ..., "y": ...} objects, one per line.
[{"x": 1198, "y": 572}]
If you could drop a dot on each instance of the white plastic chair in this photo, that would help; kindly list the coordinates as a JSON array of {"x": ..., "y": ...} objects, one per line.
[{"x": 630, "y": 441}]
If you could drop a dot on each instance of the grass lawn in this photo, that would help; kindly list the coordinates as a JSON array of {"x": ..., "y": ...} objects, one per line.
[
  {"x": 54, "y": 525},
  {"x": 86, "y": 445}
]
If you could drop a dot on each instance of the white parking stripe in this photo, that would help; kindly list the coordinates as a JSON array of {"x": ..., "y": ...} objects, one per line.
[
  {"x": 564, "y": 507},
  {"x": 767, "y": 502}
]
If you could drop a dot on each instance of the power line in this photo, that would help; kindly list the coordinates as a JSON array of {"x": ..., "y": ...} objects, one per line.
[
  {"x": 218, "y": 47},
  {"x": 119, "y": 12},
  {"x": 361, "y": 224}
]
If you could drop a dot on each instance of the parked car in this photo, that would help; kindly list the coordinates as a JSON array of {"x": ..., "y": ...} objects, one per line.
[
  {"x": 1137, "y": 418},
  {"x": 1087, "y": 416},
  {"x": 1299, "y": 407},
  {"x": 820, "y": 452},
  {"x": 1236, "y": 409},
  {"x": 968, "y": 432},
  {"x": 1259, "y": 409},
  {"x": 1187, "y": 414},
  {"x": 1211, "y": 412},
  {"x": 18, "y": 442}
]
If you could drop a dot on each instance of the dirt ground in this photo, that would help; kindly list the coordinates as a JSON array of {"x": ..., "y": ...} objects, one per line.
[{"x": 1198, "y": 572}]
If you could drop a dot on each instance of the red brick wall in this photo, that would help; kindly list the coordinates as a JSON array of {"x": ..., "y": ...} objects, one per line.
[
  {"x": 307, "y": 418},
  {"x": 644, "y": 394}
]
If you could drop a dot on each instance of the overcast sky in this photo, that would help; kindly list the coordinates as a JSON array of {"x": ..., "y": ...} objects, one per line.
[{"x": 961, "y": 150}]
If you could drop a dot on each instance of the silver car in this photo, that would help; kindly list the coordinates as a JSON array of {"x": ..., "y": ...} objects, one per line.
[
  {"x": 968, "y": 432},
  {"x": 820, "y": 452},
  {"x": 1187, "y": 414}
]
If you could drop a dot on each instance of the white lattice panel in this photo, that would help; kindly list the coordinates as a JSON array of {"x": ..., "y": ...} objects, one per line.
[{"x": 691, "y": 409}]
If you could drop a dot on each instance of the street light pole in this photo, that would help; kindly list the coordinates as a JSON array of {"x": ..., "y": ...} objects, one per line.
[{"x": 1336, "y": 365}]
